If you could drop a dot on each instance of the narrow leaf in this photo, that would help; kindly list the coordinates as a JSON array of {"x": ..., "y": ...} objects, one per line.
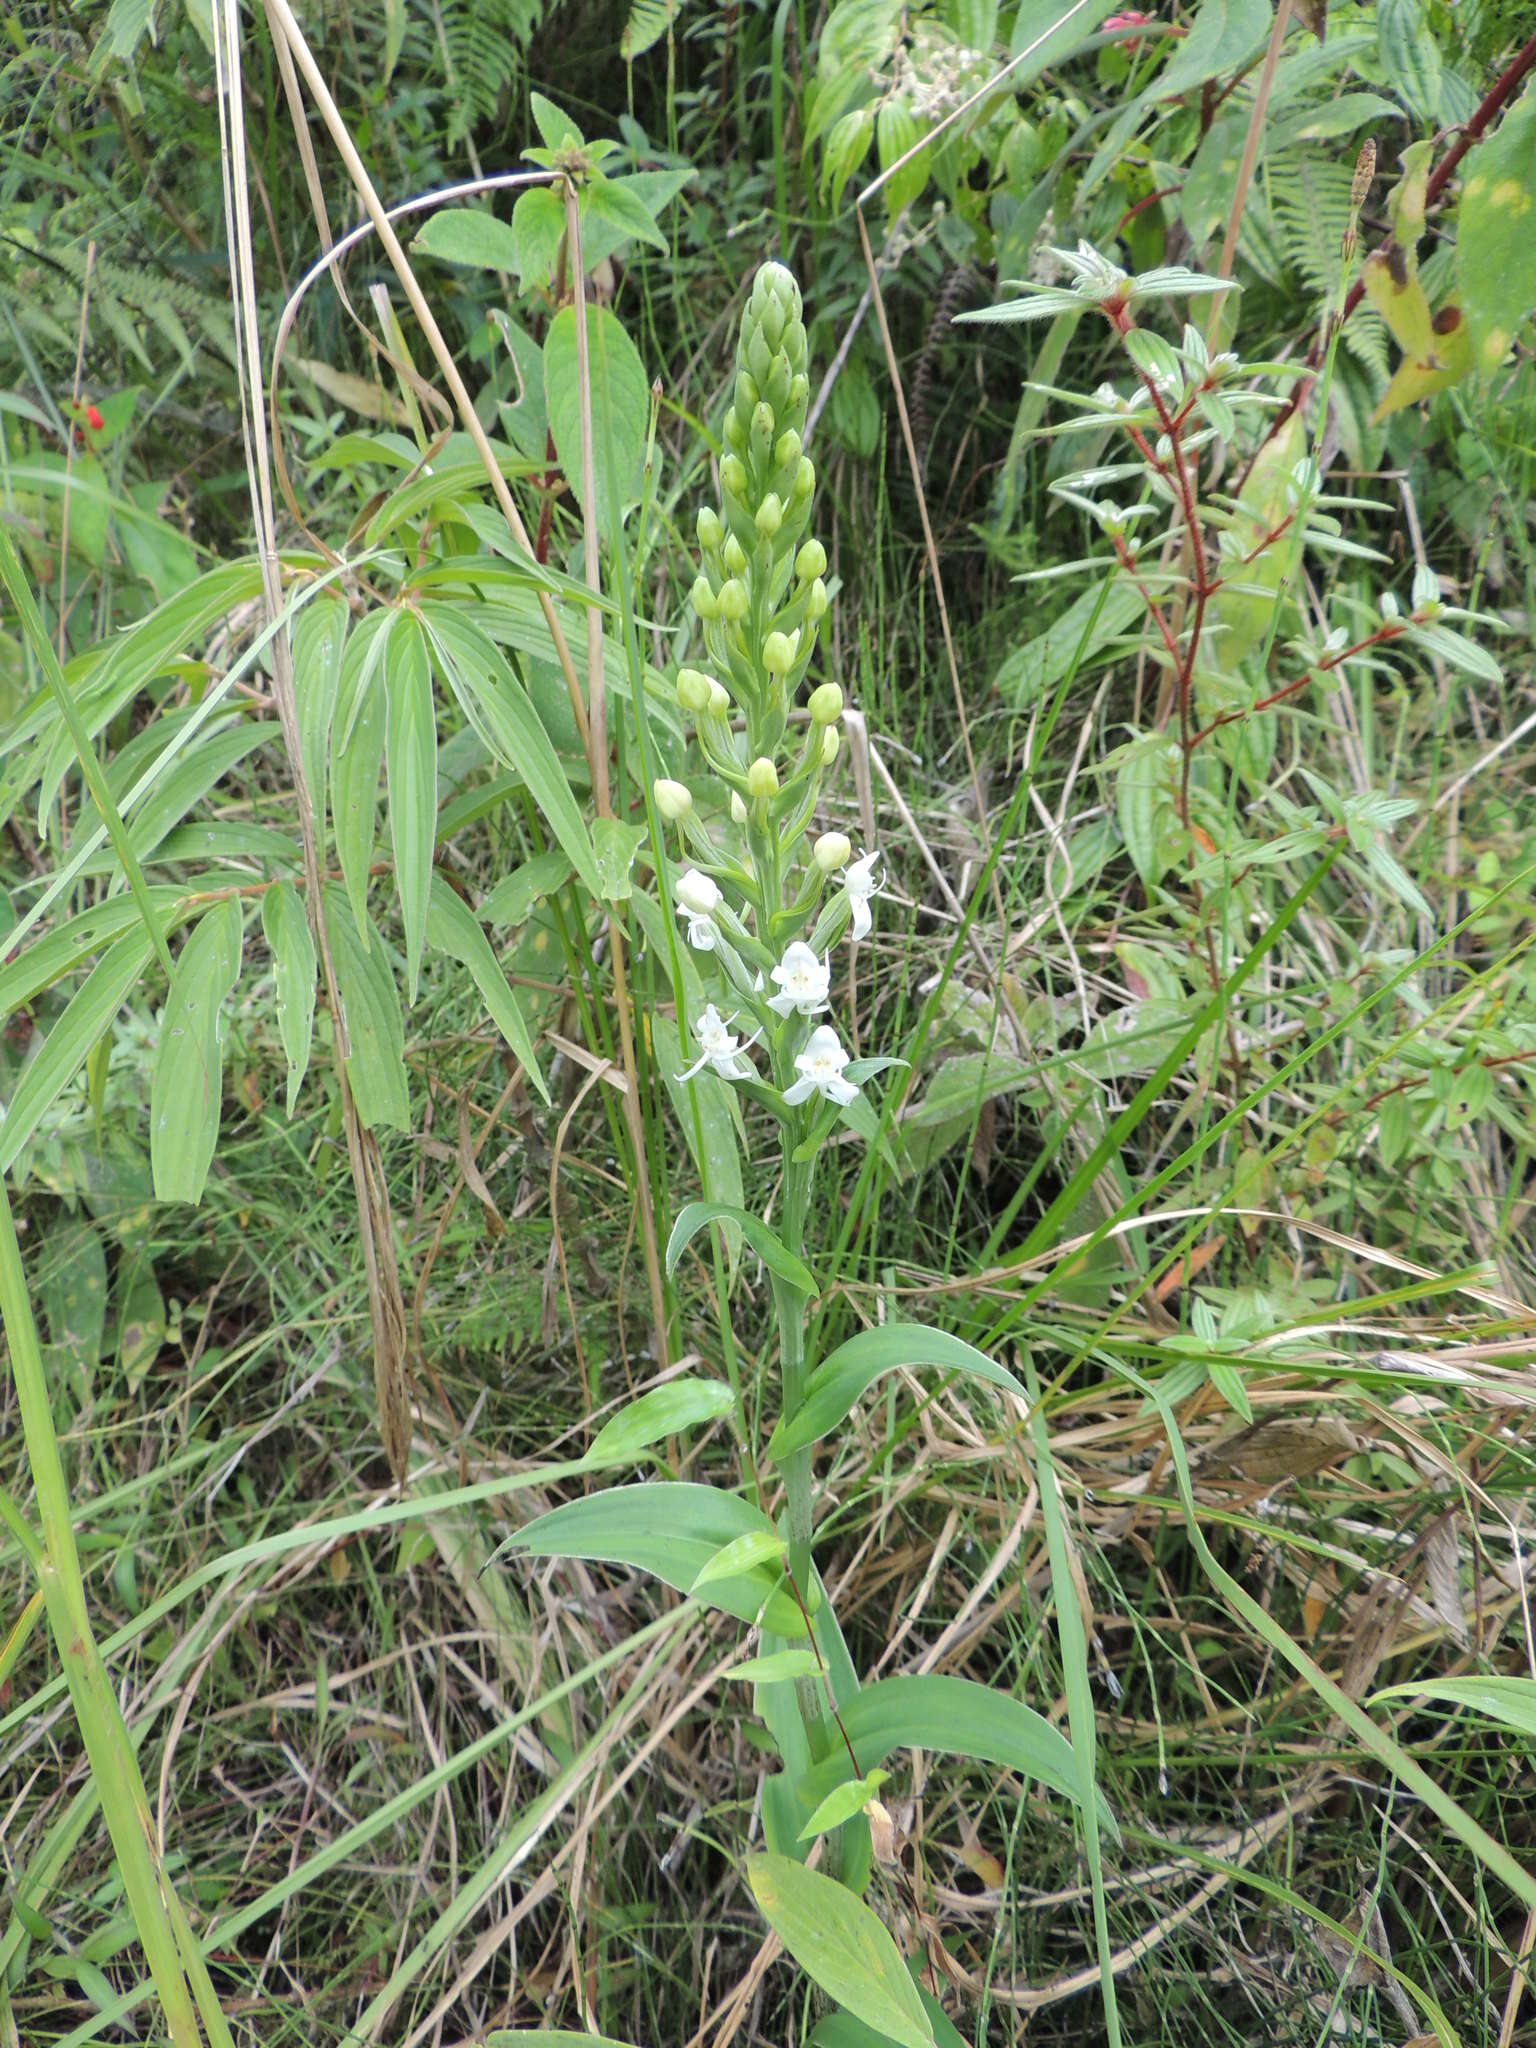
[
  {"x": 375, "y": 1029},
  {"x": 187, "y": 1089},
  {"x": 452, "y": 928},
  {"x": 680, "y": 1404},
  {"x": 838, "y": 1381},
  {"x": 292, "y": 946},
  {"x": 774, "y": 1255},
  {"x": 412, "y": 755},
  {"x": 87, "y": 1015}
]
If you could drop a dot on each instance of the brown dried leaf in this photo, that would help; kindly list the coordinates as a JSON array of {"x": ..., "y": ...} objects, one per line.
[{"x": 1282, "y": 1447}]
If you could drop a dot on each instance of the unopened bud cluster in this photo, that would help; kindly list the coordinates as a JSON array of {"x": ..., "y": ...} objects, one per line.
[{"x": 765, "y": 735}]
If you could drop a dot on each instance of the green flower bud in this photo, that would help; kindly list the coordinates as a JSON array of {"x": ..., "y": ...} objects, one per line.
[
  {"x": 733, "y": 601},
  {"x": 826, "y": 704},
  {"x": 775, "y": 317},
  {"x": 762, "y": 778},
  {"x": 738, "y": 809},
  {"x": 735, "y": 432},
  {"x": 770, "y": 515},
  {"x": 734, "y": 555},
  {"x": 762, "y": 425},
  {"x": 799, "y": 390},
  {"x": 794, "y": 342},
  {"x": 707, "y": 527},
  {"x": 733, "y": 475},
  {"x": 674, "y": 800},
  {"x": 719, "y": 699},
  {"x": 833, "y": 850},
  {"x": 830, "y": 742},
  {"x": 779, "y": 651},
  {"x": 749, "y": 395},
  {"x": 811, "y": 561},
  {"x": 816, "y": 601},
  {"x": 693, "y": 688},
  {"x": 786, "y": 450},
  {"x": 805, "y": 477},
  {"x": 759, "y": 355},
  {"x": 705, "y": 603}
]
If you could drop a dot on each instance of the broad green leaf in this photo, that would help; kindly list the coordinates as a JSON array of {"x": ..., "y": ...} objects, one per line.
[
  {"x": 680, "y": 1404},
  {"x": 375, "y": 1029},
  {"x": 842, "y": 1803},
  {"x": 956, "y": 1717},
  {"x": 453, "y": 929},
  {"x": 412, "y": 758},
  {"x": 779, "y": 1667},
  {"x": 841, "y": 1946},
  {"x": 87, "y": 1015},
  {"x": 1510, "y": 1702},
  {"x": 538, "y": 227},
  {"x": 513, "y": 899},
  {"x": 668, "y": 1528},
  {"x": 319, "y": 637},
  {"x": 842, "y": 2030},
  {"x": 186, "y": 1092},
  {"x": 291, "y": 943},
  {"x": 763, "y": 1241},
  {"x": 620, "y": 401},
  {"x": 757, "y": 1547},
  {"x": 1081, "y": 638},
  {"x": 497, "y": 705},
  {"x": 470, "y": 235},
  {"x": 838, "y": 1381},
  {"x": 357, "y": 755},
  {"x": 611, "y": 216},
  {"x": 1225, "y": 35},
  {"x": 1496, "y": 233}
]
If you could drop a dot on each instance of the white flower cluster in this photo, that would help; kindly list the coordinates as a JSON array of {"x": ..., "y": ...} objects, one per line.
[{"x": 801, "y": 980}]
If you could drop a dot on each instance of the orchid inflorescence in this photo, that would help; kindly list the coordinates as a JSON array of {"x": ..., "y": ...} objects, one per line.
[{"x": 747, "y": 894}]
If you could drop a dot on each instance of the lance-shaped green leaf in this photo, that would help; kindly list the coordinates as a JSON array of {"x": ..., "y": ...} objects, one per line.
[
  {"x": 757, "y": 1547},
  {"x": 72, "y": 943},
  {"x": 498, "y": 707},
  {"x": 452, "y": 928},
  {"x": 375, "y": 1029},
  {"x": 841, "y": 1946},
  {"x": 1510, "y": 1702},
  {"x": 838, "y": 1381},
  {"x": 412, "y": 757},
  {"x": 292, "y": 946},
  {"x": 357, "y": 755},
  {"x": 680, "y": 1404},
  {"x": 187, "y": 1089},
  {"x": 779, "y": 1667},
  {"x": 319, "y": 636},
  {"x": 956, "y": 1717},
  {"x": 87, "y": 1015},
  {"x": 774, "y": 1254},
  {"x": 669, "y": 1528},
  {"x": 842, "y": 1803}
]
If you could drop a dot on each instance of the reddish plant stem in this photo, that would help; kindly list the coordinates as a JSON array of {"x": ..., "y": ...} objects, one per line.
[{"x": 1389, "y": 631}]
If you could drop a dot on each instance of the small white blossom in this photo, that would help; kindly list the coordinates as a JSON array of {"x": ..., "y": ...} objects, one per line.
[
  {"x": 719, "y": 1047},
  {"x": 820, "y": 1068},
  {"x": 697, "y": 901},
  {"x": 803, "y": 982},
  {"x": 860, "y": 883}
]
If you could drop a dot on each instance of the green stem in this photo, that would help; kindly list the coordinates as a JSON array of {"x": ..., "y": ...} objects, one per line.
[{"x": 790, "y": 1308}]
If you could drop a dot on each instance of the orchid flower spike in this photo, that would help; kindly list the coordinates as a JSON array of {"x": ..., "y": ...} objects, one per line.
[
  {"x": 820, "y": 1068},
  {"x": 720, "y": 1048},
  {"x": 697, "y": 901},
  {"x": 803, "y": 981},
  {"x": 860, "y": 883}
]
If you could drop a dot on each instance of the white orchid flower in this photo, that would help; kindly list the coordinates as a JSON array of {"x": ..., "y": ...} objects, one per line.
[
  {"x": 719, "y": 1047},
  {"x": 860, "y": 883},
  {"x": 697, "y": 901},
  {"x": 803, "y": 982},
  {"x": 820, "y": 1068}
]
